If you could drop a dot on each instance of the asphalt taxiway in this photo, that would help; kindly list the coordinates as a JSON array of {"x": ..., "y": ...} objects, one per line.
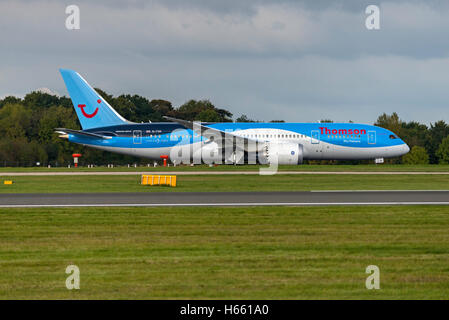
[{"x": 161, "y": 199}]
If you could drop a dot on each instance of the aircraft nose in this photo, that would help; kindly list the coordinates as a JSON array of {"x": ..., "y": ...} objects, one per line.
[
  {"x": 406, "y": 148},
  {"x": 400, "y": 150}
]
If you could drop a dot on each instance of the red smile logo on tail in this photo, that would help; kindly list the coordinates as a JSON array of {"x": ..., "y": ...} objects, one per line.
[{"x": 82, "y": 106}]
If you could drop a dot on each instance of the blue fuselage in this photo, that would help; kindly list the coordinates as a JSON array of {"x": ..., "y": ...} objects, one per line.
[{"x": 318, "y": 140}]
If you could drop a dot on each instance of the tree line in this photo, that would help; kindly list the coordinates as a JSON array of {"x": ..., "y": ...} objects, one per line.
[{"x": 27, "y": 129}]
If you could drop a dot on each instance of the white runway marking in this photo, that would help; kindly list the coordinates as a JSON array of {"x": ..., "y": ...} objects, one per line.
[
  {"x": 386, "y": 190},
  {"x": 245, "y": 204}
]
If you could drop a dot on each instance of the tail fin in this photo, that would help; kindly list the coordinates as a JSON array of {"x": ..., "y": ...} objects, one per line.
[{"x": 92, "y": 110}]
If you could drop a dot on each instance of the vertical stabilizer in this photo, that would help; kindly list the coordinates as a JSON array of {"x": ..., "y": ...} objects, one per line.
[{"x": 92, "y": 110}]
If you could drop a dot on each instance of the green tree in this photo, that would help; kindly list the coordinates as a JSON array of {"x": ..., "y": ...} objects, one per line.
[
  {"x": 225, "y": 115},
  {"x": 125, "y": 107},
  {"x": 437, "y": 132},
  {"x": 161, "y": 108},
  {"x": 208, "y": 116},
  {"x": 20, "y": 152},
  {"x": 15, "y": 121},
  {"x": 198, "y": 110},
  {"x": 390, "y": 122},
  {"x": 10, "y": 100},
  {"x": 443, "y": 151},
  {"x": 415, "y": 134},
  {"x": 40, "y": 100},
  {"x": 191, "y": 109},
  {"x": 244, "y": 118},
  {"x": 417, "y": 155}
]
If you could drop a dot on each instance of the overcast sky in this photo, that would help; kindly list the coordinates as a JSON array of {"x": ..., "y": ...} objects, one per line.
[{"x": 268, "y": 59}]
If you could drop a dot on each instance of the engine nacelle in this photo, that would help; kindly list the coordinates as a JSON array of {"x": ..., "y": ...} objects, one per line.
[
  {"x": 268, "y": 153},
  {"x": 284, "y": 153},
  {"x": 210, "y": 153}
]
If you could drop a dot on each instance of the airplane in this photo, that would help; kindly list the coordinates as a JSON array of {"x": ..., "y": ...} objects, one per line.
[{"x": 183, "y": 141}]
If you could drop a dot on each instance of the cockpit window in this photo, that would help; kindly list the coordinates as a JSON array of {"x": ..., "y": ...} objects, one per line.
[{"x": 392, "y": 136}]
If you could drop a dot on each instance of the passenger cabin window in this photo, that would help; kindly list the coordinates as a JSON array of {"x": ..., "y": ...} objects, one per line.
[{"x": 392, "y": 136}]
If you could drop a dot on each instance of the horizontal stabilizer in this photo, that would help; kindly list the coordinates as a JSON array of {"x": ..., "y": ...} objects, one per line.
[{"x": 85, "y": 134}]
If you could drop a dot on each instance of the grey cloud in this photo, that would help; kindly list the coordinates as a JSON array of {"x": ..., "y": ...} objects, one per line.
[
  {"x": 286, "y": 29},
  {"x": 248, "y": 6},
  {"x": 296, "y": 60}
]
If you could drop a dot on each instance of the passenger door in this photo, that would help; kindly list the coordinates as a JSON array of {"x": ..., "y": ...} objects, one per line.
[
  {"x": 371, "y": 137},
  {"x": 315, "y": 136},
  {"x": 316, "y": 146}
]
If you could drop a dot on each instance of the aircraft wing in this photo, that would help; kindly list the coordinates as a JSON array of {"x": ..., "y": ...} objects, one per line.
[
  {"x": 219, "y": 136},
  {"x": 84, "y": 134}
]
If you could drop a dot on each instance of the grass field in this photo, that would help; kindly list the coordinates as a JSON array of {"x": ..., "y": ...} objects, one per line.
[
  {"x": 225, "y": 253},
  {"x": 313, "y": 168},
  {"x": 205, "y": 183}
]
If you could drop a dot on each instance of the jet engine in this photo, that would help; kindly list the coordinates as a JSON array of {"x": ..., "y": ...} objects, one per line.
[{"x": 283, "y": 153}]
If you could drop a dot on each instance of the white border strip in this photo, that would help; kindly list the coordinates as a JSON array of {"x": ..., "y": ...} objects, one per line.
[
  {"x": 386, "y": 190},
  {"x": 245, "y": 204}
]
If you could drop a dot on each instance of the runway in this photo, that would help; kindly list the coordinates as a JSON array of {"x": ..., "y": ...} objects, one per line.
[{"x": 224, "y": 199}]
